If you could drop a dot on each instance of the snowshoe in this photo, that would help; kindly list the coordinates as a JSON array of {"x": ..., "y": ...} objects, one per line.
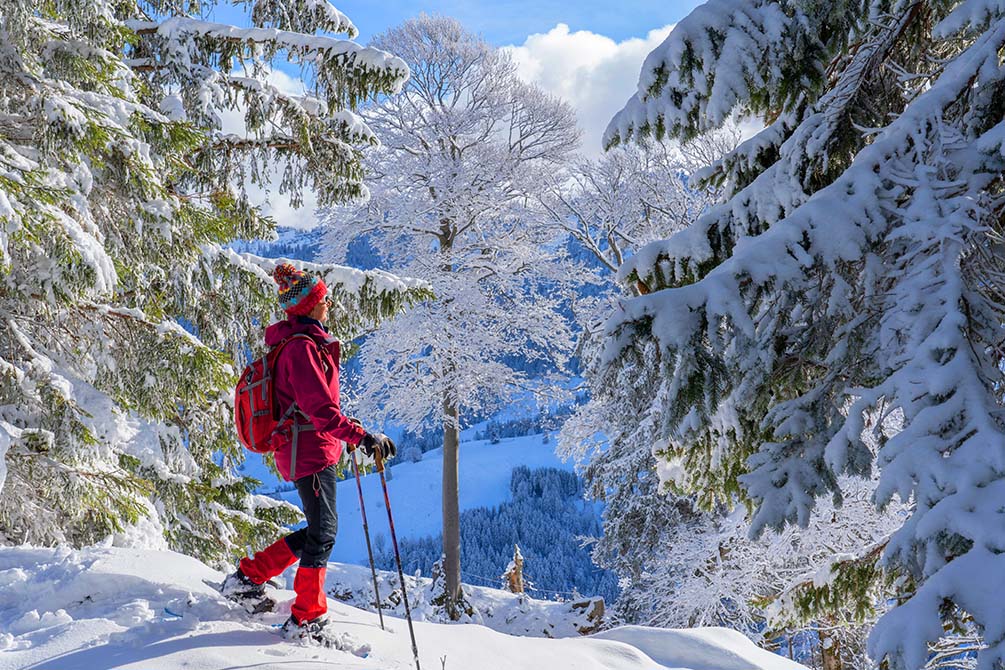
[
  {"x": 317, "y": 631},
  {"x": 239, "y": 588}
]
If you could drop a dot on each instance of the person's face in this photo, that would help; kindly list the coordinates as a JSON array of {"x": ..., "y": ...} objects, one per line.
[{"x": 320, "y": 312}]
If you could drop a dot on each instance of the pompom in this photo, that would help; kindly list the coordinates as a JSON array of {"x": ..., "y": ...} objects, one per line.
[{"x": 283, "y": 273}]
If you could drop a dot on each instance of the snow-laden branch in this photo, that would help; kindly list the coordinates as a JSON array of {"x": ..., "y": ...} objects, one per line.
[
  {"x": 775, "y": 193},
  {"x": 308, "y": 48}
]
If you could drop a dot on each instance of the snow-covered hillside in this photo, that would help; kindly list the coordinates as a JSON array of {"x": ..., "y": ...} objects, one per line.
[
  {"x": 485, "y": 471},
  {"x": 108, "y": 608}
]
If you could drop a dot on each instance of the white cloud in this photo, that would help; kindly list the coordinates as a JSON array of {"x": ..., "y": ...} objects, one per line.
[{"x": 593, "y": 73}]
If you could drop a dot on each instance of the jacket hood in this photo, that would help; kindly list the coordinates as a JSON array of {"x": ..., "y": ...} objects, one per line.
[{"x": 280, "y": 330}]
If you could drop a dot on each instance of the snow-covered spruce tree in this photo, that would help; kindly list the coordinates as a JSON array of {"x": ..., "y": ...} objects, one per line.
[
  {"x": 122, "y": 314},
  {"x": 464, "y": 149},
  {"x": 715, "y": 575},
  {"x": 855, "y": 268}
]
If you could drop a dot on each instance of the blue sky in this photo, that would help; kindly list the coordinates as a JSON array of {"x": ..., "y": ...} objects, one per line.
[
  {"x": 511, "y": 21},
  {"x": 506, "y": 22}
]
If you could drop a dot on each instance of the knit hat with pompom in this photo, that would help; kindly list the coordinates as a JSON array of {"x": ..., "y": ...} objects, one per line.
[{"x": 299, "y": 292}]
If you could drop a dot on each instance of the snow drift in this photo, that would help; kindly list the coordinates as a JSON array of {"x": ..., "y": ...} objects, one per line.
[{"x": 105, "y": 607}]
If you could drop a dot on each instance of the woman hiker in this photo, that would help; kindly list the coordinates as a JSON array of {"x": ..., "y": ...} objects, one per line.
[{"x": 306, "y": 384}]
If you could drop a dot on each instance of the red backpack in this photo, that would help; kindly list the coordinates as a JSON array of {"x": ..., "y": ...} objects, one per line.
[{"x": 256, "y": 413}]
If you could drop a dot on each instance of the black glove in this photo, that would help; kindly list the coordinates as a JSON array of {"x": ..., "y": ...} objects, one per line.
[{"x": 372, "y": 442}]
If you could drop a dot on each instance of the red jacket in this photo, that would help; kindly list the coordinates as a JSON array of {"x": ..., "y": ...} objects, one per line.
[{"x": 308, "y": 375}]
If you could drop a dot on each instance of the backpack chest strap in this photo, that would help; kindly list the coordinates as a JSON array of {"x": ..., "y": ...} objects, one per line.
[{"x": 295, "y": 413}]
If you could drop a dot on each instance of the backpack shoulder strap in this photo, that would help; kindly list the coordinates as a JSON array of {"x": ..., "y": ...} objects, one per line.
[
  {"x": 289, "y": 339},
  {"x": 274, "y": 352}
]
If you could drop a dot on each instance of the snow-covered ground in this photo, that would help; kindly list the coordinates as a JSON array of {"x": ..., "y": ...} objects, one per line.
[
  {"x": 415, "y": 489},
  {"x": 494, "y": 608},
  {"x": 109, "y": 608}
]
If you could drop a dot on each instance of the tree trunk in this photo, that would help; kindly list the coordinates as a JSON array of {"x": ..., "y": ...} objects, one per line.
[
  {"x": 451, "y": 443},
  {"x": 830, "y": 651},
  {"x": 451, "y": 508}
]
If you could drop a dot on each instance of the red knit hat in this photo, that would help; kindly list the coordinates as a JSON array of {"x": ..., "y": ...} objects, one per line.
[{"x": 299, "y": 292}]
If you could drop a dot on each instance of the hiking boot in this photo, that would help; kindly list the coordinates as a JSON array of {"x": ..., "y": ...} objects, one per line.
[
  {"x": 239, "y": 584},
  {"x": 313, "y": 629},
  {"x": 239, "y": 588},
  {"x": 317, "y": 631}
]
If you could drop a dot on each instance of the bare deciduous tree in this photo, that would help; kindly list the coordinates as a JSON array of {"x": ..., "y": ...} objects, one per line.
[{"x": 467, "y": 149}]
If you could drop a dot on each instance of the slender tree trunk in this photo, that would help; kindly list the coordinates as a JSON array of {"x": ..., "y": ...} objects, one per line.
[
  {"x": 830, "y": 651},
  {"x": 451, "y": 507},
  {"x": 451, "y": 443}
]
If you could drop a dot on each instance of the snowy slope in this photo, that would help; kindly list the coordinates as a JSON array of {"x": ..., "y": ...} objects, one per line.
[
  {"x": 105, "y": 608},
  {"x": 415, "y": 489}
]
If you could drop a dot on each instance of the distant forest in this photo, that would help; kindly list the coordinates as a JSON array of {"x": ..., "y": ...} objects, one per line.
[{"x": 550, "y": 521}]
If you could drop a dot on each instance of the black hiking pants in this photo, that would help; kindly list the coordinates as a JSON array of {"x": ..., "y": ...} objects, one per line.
[{"x": 313, "y": 544}]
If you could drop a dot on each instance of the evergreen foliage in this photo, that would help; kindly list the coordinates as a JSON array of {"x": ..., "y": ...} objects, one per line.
[
  {"x": 850, "y": 276},
  {"x": 424, "y": 441},
  {"x": 123, "y": 315}
]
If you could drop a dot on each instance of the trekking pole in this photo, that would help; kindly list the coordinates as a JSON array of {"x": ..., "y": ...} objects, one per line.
[
  {"x": 397, "y": 556},
  {"x": 366, "y": 534}
]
